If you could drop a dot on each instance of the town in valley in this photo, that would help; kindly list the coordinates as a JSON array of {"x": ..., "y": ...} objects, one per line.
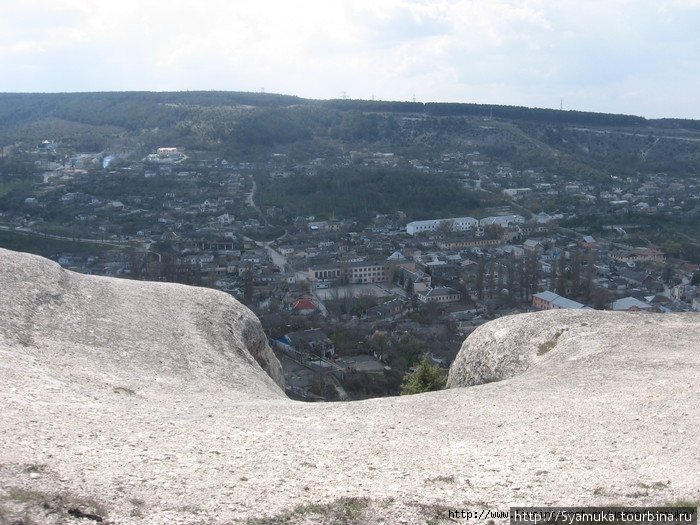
[{"x": 365, "y": 237}]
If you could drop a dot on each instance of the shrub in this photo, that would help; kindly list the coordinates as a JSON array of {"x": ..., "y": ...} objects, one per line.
[{"x": 427, "y": 377}]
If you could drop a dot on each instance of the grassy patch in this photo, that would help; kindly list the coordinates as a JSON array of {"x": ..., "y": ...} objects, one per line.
[
  {"x": 654, "y": 485},
  {"x": 21, "y": 495},
  {"x": 124, "y": 390},
  {"x": 435, "y": 514},
  {"x": 343, "y": 511},
  {"x": 35, "y": 503},
  {"x": 683, "y": 503},
  {"x": 548, "y": 346},
  {"x": 441, "y": 479}
]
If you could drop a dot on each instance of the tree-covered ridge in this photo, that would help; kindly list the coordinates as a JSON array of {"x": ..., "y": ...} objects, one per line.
[
  {"x": 535, "y": 114},
  {"x": 234, "y": 125},
  {"x": 361, "y": 193},
  {"x": 136, "y": 110},
  {"x": 131, "y": 111}
]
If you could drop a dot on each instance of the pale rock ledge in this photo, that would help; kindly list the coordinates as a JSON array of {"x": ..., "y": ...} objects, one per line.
[{"x": 145, "y": 403}]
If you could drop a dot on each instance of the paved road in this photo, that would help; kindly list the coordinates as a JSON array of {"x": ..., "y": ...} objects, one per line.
[{"x": 278, "y": 259}]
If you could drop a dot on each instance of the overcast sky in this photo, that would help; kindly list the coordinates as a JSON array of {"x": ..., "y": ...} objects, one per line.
[{"x": 619, "y": 56}]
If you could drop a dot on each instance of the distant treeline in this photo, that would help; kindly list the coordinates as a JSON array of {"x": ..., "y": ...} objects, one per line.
[
  {"x": 537, "y": 114},
  {"x": 268, "y": 119},
  {"x": 131, "y": 110},
  {"x": 142, "y": 109},
  {"x": 362, "y": 192},
  {"x": 457, "y": 109}
]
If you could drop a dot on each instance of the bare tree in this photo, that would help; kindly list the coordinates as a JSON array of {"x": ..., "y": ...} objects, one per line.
[
  {"x": 522, "y": 285},
  {"x": 553, "y": 276},
  {"x": 531, "y": 275},
  {"x": 575, "y": 272},
  {"x": 588, "y": 277},
  {"x": 248, "y": 285},
  {"x": 479, "y": 282},
  {"x": 490, "y": 280},
  {"x": 445, "y": 227},
  {"x": 499, "y": 282},
  {"x": 561, "y": 275},
  {"x": 510, "y": 279}
]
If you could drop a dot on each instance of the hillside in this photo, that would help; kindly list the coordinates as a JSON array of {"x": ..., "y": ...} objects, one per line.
[
  {"x": 251, "y": 124},
  {"x": 344, "y": 159},
  {"x": 145, "y": 403}
]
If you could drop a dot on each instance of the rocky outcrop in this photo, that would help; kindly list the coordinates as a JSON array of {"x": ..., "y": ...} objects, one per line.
[
  {"x": 132, "y": 332},
  {"x": 510, "y": 346},
  {"x": 142, "y": 403}
]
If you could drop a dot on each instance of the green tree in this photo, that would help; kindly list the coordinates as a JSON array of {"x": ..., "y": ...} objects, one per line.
[
  {"x": 672, "y": 248},
  {"x": 479, "y": 281},
  {"x": 248, "y": 286},
  {"x": 427, "y": 377},
  {"x": 601, "y": 297}
]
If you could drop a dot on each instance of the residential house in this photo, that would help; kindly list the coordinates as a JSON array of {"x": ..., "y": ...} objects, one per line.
[
  {"x": 550, "y": 301},
  {"x": 630, "y": 257},
  {"x": 389, "y": 310},
  {"x": 304, "y": 306},
  {"x": 313, "y": 341},
  {"x": 630, "y": 304},
  {"x": 440, "y": 294},
  {"x": 589, "y": 242},
  {"x": 533, "y": 245}
]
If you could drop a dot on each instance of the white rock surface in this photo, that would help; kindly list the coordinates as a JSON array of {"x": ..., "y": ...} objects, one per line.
[{"x": 141, "y": 403}]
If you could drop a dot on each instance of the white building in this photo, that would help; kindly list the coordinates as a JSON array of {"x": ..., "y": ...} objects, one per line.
[
  {"x": 502, "y": 220},
  {"x": 516, "y": 192},
  {"x": 441, "y": 294},
  {"x": 461, "y": 224},
  {"x": 167, "y": 152}
]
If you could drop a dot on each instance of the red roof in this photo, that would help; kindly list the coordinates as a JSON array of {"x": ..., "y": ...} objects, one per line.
[{"x": 304, "y": 304}]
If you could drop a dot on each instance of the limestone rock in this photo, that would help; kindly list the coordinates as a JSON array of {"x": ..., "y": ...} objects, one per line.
[
  {"x": 510, "y": 346},
  {"x": 138, "y": 333},
  {"x": 142, "y": 403}
]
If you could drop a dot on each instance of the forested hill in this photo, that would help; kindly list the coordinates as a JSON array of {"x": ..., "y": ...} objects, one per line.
[
  {"x": 240, "y": 125},
  {"x": 135, "y": 110}
]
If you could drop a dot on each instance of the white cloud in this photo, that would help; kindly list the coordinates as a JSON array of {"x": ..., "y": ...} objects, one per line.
[{"x": 613, "y": 55}]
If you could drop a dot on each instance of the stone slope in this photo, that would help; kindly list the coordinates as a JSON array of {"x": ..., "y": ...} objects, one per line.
[
  {"x": 141, "y": 403},
  {"x": 133, "y": 334},
  {"x": 510, "y": 346}
]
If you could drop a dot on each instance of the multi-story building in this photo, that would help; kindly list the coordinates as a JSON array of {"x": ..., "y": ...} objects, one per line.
[
  {"x": 462, "y": 224},
  {"x": 440, "y": 294},
  {"x": 551, "y": 301},
  {"x": 352, "y": 272}
]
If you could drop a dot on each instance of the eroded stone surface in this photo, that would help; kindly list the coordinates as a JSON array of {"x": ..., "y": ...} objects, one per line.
[
  {"x": 140, "y": 403},
  {"x": 509, "y": 346}
]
